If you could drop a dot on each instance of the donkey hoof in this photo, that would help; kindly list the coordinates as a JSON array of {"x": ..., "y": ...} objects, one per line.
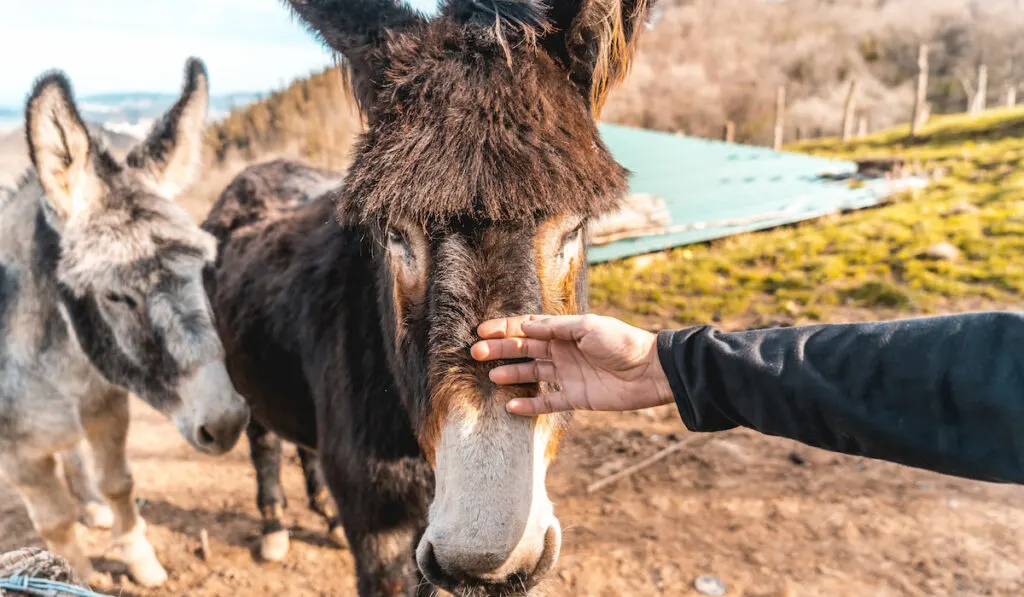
[
  {"x": 337, "y": 536},
  {"x": 141, "y": 558},
  {"x": 99, "y": 516},
  {"x": 274, "y": 546},
  {"x": 96, "y": 580},
  {"x": 148, "y": 574}
]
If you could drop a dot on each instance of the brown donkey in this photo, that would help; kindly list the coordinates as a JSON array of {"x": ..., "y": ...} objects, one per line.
[{"x": 347, "y": 318}]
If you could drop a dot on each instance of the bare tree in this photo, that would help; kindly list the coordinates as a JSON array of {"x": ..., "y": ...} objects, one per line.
[
  {"x": 780, "y": 117},
  {"x": 850, "y": 110},
  {"x": 918, "y": 120},
  {"x": 979, "y": 102}
]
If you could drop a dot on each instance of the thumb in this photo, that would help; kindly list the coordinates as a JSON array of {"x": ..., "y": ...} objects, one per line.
[{"x": 541, "y": 405}]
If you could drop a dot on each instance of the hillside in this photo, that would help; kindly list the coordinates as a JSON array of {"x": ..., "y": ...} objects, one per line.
[
  {"x": 708, "y": 61},
  {"x": 313, "y": 119},
  {"x": 861, "y": 265}
]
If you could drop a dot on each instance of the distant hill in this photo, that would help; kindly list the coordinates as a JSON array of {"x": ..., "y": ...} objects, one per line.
[
  {"x": 313, "y": 118},
  {"x": 133, "y": 106},
  {"x": 132, "y": 113}
]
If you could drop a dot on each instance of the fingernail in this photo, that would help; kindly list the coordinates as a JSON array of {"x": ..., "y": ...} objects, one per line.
[{"x": 512, "y": 405}]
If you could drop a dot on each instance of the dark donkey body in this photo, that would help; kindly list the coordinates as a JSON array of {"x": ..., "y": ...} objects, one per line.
[{"x": 347, "y": 318}]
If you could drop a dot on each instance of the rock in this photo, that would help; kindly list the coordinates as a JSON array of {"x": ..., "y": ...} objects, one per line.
[
  {"x": 709, "y": 585},
  {"x": 942, "y": 252},
  {"x": 964, "y": 207}
]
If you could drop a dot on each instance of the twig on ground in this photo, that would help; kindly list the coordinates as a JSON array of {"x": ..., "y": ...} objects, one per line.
[
  {"x": 646, "y": 462},
  {"x": 204, "y": 545}
]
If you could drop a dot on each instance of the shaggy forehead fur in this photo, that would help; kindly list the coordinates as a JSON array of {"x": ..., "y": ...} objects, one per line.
[
  {"x": 475, "y": 123},
  {"x": 132, "y": 239}
]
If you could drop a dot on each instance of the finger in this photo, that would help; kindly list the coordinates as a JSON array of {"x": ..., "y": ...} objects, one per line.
[
  {"x": 505, "y": 327},
  {"x": 511, "y": 348},
  {"x": 541, "y": 405},
  {"x": 558, "y": 327},
  {"x": 532, "y": 372}
]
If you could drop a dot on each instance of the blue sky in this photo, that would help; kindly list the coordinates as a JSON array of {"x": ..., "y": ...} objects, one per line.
[{"x": 141, "y": 45}]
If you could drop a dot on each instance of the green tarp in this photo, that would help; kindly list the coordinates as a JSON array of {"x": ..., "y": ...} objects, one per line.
[{"x": 715, "y": 189}]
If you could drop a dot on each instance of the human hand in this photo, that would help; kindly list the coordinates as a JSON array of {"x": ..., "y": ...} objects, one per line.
[{"x": 599, "y": 363}]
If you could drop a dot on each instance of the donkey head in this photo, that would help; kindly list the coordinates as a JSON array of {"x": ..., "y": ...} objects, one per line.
[
  {"x": 130, "y": 260},
  {"x": 480, "y": 169}
]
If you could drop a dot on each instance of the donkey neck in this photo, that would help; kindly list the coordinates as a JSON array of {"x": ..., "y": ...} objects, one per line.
[{"x": 32, "y": 328}]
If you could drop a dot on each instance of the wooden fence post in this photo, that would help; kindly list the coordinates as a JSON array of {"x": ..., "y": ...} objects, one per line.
[
  {"x": 780, "y": 118},
  {"x": 729, "y": 132},
  {"x": 981, "y": 95},
  {"x": 1011, "y": 94},
  {"x": 850, "y": 110},
  {"x": 862, "y": 126},
  {"x": 921, "y": 99}
]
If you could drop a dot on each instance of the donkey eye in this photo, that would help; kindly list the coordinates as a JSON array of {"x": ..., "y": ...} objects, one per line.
[
  {"x": 572, "y": 236},
  {"x": 397, "y": 237},
  {"x": 122, "y": 298}
]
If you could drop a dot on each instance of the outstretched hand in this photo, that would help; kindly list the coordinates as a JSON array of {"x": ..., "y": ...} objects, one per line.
[{"x": 599, "y": 363}]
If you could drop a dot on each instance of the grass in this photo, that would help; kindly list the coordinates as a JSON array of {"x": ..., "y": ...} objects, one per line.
[{"x": 861, "y": 265}]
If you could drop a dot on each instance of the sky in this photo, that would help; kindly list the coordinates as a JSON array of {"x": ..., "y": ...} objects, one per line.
[{"x": 141, "y": 45}]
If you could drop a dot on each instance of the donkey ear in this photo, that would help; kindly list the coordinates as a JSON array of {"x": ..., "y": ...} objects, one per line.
[
  {"x": 596, "y": 40},
  {"x": 172, "y": 152},
  {"x": 357, "y": 29},
  {"x": 59, "y": 147}
]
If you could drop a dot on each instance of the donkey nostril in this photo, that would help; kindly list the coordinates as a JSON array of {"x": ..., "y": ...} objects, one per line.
[
  {"x": 428, "y": 561},
  {"x": 205, "y": 437}
]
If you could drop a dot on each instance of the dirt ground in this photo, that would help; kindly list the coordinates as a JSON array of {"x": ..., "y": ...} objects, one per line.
[{"x": 767, "y": 516}]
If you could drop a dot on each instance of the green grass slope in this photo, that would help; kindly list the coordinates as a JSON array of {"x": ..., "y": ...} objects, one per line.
[{"x": 861, "y": 265}]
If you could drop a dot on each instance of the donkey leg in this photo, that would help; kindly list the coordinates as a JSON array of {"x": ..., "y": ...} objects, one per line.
[
  {"x": 265, "y": 451},
  {"x": 383, "y": 513},
  {"x": 320, "y": 499},
  {"x": 82, "y": 484},
  {"x": 52, "y": 509},
  {"x": 108, "y": 435}
]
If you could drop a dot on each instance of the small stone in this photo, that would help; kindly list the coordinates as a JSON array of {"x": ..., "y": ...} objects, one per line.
[
  {"x": 942, "y": 252},
  {"x": 709, "y": 585},
  {"x": 964, "y": 207}
]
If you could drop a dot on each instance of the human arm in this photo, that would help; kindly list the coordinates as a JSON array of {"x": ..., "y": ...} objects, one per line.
[{"x": 941, "y": 393}]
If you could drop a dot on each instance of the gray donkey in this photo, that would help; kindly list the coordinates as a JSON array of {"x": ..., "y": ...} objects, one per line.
[{"x": 101, "y": 294}]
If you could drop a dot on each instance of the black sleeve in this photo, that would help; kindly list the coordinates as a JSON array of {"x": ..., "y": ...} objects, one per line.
[{"x": 940, "y": 393}]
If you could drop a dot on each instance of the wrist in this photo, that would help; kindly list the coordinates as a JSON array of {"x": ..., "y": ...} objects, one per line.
[{"x": 657, "y": 379}]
